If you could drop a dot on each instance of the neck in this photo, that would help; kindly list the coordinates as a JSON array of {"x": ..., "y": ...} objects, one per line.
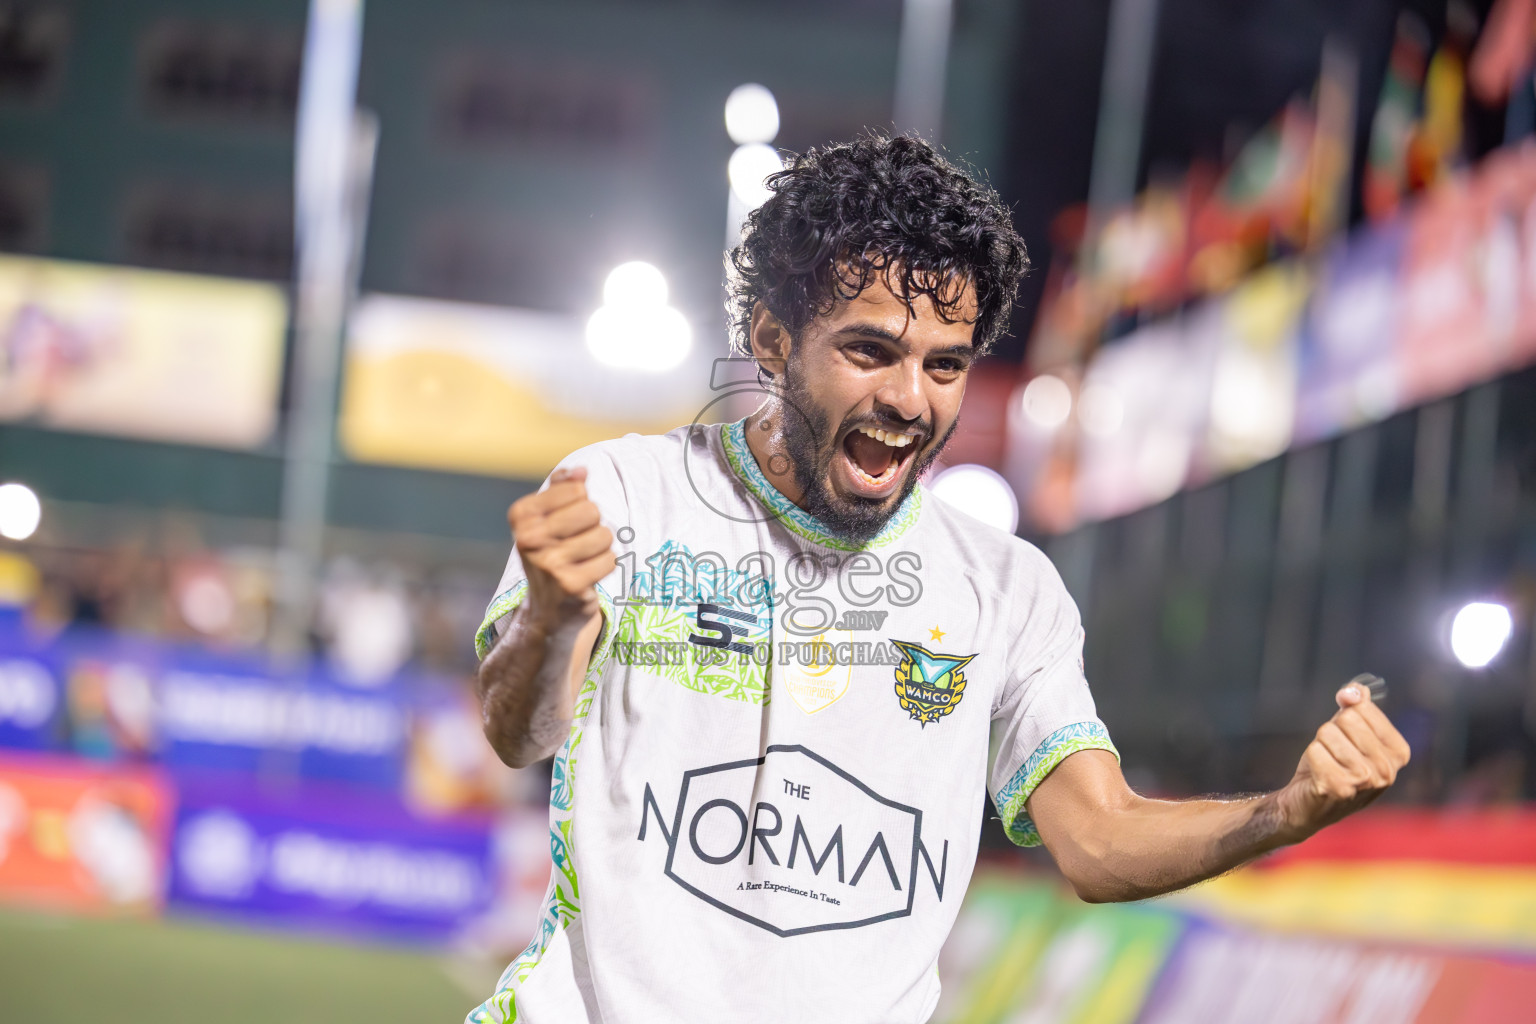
[{"x": 765, "y": 439}]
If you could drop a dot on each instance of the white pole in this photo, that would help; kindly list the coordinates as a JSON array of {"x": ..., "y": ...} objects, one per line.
[
  {"x": 326, "y": 179},
  {"x": 922, "y": 64},
  {"x": 1122, "y": 106}
]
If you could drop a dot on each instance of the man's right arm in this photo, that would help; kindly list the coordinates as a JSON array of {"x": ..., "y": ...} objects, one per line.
[{"x": 528, "y": 681}]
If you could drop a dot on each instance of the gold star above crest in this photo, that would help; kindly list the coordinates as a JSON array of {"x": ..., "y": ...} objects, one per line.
[{"x": 936, "y": 633}]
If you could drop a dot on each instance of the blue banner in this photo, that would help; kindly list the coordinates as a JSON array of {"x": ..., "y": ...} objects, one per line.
[
  {"x": 116, "y": 697},
  {"x": 324, "y": 858}
]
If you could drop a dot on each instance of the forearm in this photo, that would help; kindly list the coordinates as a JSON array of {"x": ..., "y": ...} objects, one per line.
[
  {"x": 1141, "y": 848},
  {"x": 1115, "y": 845},
  {"x": 526, "y": 684}
]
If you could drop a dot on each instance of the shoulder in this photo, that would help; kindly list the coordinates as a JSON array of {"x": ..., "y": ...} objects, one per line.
[
  {"x": 984, "y": 550},
  {"x": 1005, "y": 571},
  {"x": 632, "y": 455}
]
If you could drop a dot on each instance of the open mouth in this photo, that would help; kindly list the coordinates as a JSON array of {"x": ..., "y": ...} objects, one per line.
[{"x": 874, "y": 459}]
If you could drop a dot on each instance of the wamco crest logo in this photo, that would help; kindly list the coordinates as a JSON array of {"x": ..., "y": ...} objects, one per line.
[
  {"x": 793, "y": 844},
  {"x": 928, "y": 685}
]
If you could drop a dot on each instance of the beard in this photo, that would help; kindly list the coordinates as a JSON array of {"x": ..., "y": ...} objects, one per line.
[{"x": 811, "y": 443}]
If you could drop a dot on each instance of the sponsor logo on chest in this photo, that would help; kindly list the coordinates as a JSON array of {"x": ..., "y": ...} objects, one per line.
[{"x": 793, "y": 844}]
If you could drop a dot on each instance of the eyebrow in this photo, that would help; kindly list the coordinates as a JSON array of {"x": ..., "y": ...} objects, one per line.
[{"x": 899, "y": 340}]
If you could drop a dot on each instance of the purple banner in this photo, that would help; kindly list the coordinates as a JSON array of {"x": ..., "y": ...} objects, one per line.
[
  {"x": 1349, "y": 372},
  {"x": 114, "y": 697},
  {"x": 324, "y": 858},
  {"x": 213, "y": 715},
  {"x": 31, "y": 700},
  {"x": 29, "y": 703}
]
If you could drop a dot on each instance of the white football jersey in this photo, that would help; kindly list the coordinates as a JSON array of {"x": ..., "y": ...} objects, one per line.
[{"x": 770, "y": 800}]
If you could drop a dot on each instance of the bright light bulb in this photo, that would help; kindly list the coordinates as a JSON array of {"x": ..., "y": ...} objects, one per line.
[
  {"x": 652, "y": 339},
  {"x": 749, "y": 169},
  {"x": 636, "y": 283},
  {"x": 980, "y": 493},
  {"x": 20, "y": 511},
  {"x": 1479, "y": 632},
  {"x": 751, "y": 114},
  {"x": 1047, "y": 401}
]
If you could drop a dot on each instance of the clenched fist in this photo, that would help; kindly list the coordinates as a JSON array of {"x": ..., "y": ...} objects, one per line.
[
  {"x": 564, "y": 547},
  {"x": 1355, "y": 756}
]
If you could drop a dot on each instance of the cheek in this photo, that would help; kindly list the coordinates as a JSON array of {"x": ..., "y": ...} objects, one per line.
[
  {"x": 945, "y": 401},
  {"x": 840, "y": 394}
]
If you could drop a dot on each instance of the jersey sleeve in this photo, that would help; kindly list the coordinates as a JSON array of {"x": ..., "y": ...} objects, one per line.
[
  {"x": 1045, "y": 711},
  {"x": 606, "y": 489}
]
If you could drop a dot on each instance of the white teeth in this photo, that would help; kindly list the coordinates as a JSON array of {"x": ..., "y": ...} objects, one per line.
[
  {"x": 877, "y": 481},
  {"x": 887, "y": 437}
]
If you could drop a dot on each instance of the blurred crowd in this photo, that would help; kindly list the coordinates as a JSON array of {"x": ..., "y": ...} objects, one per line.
[{"x": 372, "y": 619}]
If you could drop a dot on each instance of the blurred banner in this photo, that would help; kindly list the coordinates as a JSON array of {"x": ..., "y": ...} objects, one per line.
[
  {"x": 115, "y": 698},
  {"x": 1023, "y": 950},
  {"x": 144, "y": 774},
  {"x": 1220, "y": 976},
  {"x": 1437, "y": 297},
  {"x": 482, "y": 389},
  {"x": 192, "y": 711},
  {"x": 1429, "y": 877},
  {"x": 113, "y": 350},
  {"x": 302, "y": 799},
  {"x": 1152, "y": 394},
  {"x": 31, "y": 700},
  {"x": 1348, "y": 360},
  {"x": 1393, "y": 917},
  {"x": 80, "y": 836},
  {"x": 1469, "y": 279},
  {"x": 326, "y": 858}
]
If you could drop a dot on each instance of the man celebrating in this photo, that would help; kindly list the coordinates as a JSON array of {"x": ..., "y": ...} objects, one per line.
[{"x": 768, "y": 665}]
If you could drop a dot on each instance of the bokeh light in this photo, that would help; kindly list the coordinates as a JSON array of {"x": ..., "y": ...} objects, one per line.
[
  {"x": 751, "y": 114},
  {"x": 980, "y": 493},
  {"x": 650, "y": 339},
  {"x": 1479, "y": 632},
  {"x": 749, "y": 169},
  {"x": 20, "y": 511},
  {"x": 636, "y": 283},
  {"x": 1047, "y": 401},
  {"x": 634, "y": 328}
]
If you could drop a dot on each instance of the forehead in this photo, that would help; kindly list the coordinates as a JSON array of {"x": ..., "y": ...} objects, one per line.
[{"x": 878, "y": 306}]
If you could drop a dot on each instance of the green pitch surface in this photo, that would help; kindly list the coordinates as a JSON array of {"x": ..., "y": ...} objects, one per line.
[{"x": 57, "y": 969}]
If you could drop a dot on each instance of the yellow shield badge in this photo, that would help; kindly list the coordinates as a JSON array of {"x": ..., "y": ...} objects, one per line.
[
  {"x": 816, "y": 678},
  {"x": 928, "y": 685}
]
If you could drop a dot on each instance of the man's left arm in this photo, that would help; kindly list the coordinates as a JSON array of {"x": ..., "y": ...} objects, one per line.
[{"x": 1114, "y": 845}]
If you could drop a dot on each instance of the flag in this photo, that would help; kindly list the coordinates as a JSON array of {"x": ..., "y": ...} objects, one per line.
[
  {"x": 1386, "y": 169},
  {"x": 1505, "y": 52}
]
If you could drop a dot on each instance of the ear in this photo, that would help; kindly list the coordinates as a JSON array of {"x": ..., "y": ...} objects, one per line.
[{"x": 769, "y": 339}]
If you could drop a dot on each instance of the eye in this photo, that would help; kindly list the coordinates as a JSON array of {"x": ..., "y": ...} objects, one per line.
[
  {"x": 948, "y": 366},
  {"x": 867, "y": 351}
]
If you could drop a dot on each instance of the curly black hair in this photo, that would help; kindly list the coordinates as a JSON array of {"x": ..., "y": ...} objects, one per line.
[{"x": 881, "y": 205}]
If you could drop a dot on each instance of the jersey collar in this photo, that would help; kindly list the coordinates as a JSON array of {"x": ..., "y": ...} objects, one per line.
[{"x": 733, "y": 438}]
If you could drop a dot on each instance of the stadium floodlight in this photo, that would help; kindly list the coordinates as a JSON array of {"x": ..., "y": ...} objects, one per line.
[
  {"x": 980, "y": 493},
  {"x": 20, "y": 511},
  {"x": 751, "y": 114},
  {"x": 1479, "y": 632},
  {"x": 1047, "y": 401},
  {"x": 636, "y": 283},
  {"x": 748, "y": 171},
  {"x": 634, "y": 328}
]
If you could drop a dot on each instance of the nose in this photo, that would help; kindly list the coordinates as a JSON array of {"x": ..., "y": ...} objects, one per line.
[{"x": 902, "y": 390}]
